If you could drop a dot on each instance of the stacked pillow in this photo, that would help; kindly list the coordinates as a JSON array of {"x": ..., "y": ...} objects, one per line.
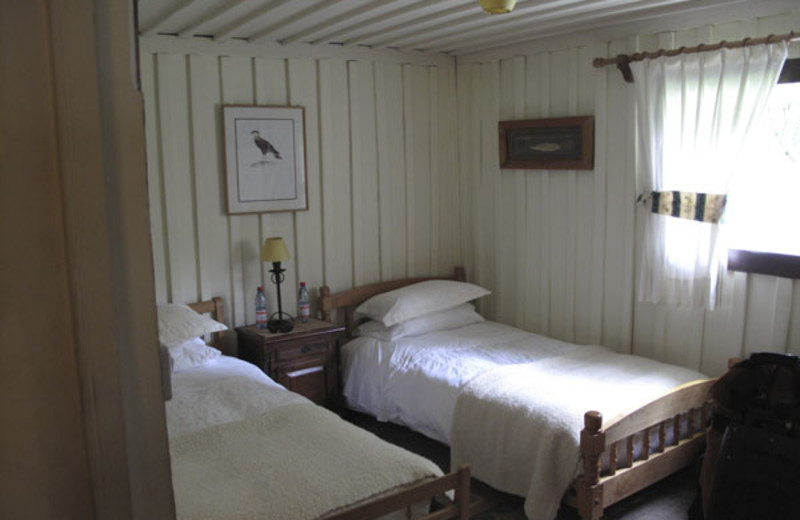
[
  {"x": 181, "y": 331},
  {"x": 419, "y": 308}
]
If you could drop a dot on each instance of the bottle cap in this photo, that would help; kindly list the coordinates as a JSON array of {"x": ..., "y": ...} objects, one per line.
[
  {"x": 302, "y": 284},
  {"x": 260, "y": 287}
]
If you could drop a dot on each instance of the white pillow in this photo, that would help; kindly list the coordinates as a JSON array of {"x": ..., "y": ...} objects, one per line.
[
  {"x": 178, "y": 323},
  {"x": 418, "y": 299},
  {"x": 191, "y": 353},
  {"x": 449, "y": 319}
]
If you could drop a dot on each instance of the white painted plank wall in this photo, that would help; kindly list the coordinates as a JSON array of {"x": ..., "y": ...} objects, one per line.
[
  {"x": 403, "y": 180},
  {"x": 381, "y": 154},
  {"x": 560, "y": 259}
]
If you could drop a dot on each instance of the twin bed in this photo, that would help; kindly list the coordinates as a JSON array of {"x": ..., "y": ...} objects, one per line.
[
  {"x": 530, "y": 415},
  {"x": 244, "y": 447},
  {"x": 526, "y": 412}
]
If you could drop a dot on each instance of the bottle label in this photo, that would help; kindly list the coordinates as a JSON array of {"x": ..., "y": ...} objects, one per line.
[
  {"x": 304, "y": 311},
  {"x": 261, "y": 318}
]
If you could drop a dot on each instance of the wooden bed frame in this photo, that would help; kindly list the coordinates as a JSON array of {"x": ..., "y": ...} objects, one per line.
[
  {"x": 611, "y": 469},
  {"x": 432, "y": 488}
]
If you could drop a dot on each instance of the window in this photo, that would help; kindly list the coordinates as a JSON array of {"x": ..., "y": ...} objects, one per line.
[{"x": 763, "y": 218}]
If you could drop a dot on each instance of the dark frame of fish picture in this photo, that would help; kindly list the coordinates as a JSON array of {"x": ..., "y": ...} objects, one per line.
[{"x": 561, "y": 143}]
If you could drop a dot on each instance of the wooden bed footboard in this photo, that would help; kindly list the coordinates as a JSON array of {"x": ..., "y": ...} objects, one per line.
[
  {"x": 670, "y": 432},
  {"x": 459, "y": 507}
]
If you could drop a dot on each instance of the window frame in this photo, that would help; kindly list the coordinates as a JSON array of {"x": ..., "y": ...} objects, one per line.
[{"x": 758, "y": 262}]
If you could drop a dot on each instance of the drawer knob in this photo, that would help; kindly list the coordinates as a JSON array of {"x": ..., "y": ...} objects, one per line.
[{"x": 305, "y": 349}]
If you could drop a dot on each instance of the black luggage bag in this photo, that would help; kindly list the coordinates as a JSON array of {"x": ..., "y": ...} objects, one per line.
[{"x": 751, "y": 469}]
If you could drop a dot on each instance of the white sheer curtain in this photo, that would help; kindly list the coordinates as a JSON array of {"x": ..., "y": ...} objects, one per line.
[{"x": 693, "y": 114}]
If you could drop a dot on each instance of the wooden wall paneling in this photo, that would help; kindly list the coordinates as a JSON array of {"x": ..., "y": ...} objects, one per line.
[
  {"x": 619, "y": 215},
  {"x": 561, "y": 215},
  {"x": 768, "y": 314},
  {"x": 416, "y": 113},
  {"x": 571, "y": 241},
  {"x": 174, "y": 112},
  {"x": 559, "y": 224},
  {"x": 600, "y": 85},
  {"x": 391, "y": 170},
  {"x": 538, "y": 188},
  {"x": 724, "y": 329},
  {"x": 244, "y": 240},
  {"x": 588, "y": 183},
  {"x": 208, "y": 164},
  {"x": 436, "y": 143},
  {"x": 155, "y": 176},
  {"x": 468, "y": 163},
  {"x": 486, "y": 243},
  {"x": 521, "y": 203},
  {"x": 308, "y": 224},
  {"x": 272, "y": 90},
  {"x": 447, "y": 165},
  {"x": 335, "y": 178},
  {"x": 505, "y": 229},
  {"x": 364, "y": 152}
]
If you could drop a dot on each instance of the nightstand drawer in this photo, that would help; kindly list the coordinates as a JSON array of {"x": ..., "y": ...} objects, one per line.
[{"x": 303, "y": 349}]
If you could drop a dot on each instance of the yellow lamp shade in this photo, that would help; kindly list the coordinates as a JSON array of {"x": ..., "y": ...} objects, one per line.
[
  {"x": 274, "y": 250},
  {"x": 497, "y": 6}
]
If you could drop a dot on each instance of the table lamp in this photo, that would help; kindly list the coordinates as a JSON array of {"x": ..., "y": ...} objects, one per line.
[{"x": 275, "y": 251}]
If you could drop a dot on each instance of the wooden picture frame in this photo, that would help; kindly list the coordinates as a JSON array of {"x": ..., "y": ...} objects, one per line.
[
  {"x": 562, "y": 143},
  {"x": 265, "y": 158}
]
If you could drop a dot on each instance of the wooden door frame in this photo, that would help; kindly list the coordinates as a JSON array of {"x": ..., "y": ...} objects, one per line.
[{"x": 100, "y": 131}]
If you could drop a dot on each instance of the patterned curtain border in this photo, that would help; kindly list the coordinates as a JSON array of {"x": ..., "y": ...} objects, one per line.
[{"x": 702, "y": 207}]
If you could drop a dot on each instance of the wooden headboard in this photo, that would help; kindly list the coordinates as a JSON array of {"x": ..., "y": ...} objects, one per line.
[
  {"x": 216, "y": 311},
  {"x": 344, "y": 302}
]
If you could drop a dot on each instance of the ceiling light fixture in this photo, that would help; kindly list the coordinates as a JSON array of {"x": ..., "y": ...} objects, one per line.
[{"x": 497, "y": 6}]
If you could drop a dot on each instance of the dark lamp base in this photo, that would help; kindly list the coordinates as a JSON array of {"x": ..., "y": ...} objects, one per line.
[{"x": 280, "y": 322}]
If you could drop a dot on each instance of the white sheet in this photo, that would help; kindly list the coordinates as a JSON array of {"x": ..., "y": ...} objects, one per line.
[{"x": 420, "y": 382}]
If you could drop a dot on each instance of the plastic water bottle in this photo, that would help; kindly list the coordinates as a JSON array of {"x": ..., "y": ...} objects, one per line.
[
  {"x": 261, "y": 308},
  {"x": 303, "y": 305}
]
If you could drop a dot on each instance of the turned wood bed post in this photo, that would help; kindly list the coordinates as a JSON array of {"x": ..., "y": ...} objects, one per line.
[
  {"x": 324, "y": 293},
  {"x": 593, "y": 441}
]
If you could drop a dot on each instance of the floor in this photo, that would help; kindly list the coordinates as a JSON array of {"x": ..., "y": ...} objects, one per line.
[{"x": 669, "y": 499}]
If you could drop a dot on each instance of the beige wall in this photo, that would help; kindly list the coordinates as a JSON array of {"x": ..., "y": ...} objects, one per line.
[
  {"x": 41, "y": 425},
  {"x": 82, "y": 430},
  {"x": 383, "y": 187},
  {"x": 557, "y": 248}
]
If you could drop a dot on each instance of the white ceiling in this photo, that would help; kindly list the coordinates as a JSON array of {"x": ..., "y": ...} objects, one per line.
[{"x": 454, "y": 27}]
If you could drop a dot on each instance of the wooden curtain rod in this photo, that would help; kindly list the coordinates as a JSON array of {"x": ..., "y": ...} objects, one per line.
[{"x": 622, "y": 61}]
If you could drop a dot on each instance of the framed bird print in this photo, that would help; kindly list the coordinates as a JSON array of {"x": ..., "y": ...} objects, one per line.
[{"x": 265, "y": 157}]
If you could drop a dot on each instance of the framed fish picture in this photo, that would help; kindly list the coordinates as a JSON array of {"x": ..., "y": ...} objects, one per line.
[
  {"x": 265, "y": 158},
  {"x": 562, "y": 143}
]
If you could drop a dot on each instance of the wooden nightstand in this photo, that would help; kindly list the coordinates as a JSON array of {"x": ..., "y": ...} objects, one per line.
[{"x": 305, "y": 360}]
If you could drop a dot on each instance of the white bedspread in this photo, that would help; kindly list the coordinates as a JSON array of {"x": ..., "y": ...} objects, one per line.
[
  {"x": 296, "y": 462},
  {"x": 521, "y": 399},
  {"x": 535, "y": 413},
  {"x": 243, "y": 447},
  {"x": 221, "y": 391}
]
